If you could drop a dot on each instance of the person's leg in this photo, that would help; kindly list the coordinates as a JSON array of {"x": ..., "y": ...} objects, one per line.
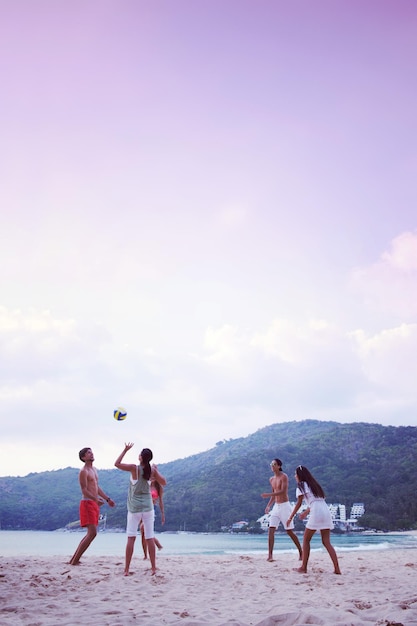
[
  {"x": 152, "y": 554},
  {"x": 130, "y": 546},
  {"x": 306, "y": 550},
  {"x": 84, "y": 543},
  {"x": 157, "y": 542},
  {"x": 295, "y": 539},
  {"x": 271, "y": 541},
  {"x": 132, "y": 524},
  {"x": 148, "y": 522},
  {"x": 144, "y": 544},
  {"x": 325, "y": 539},
  {"x": 284, "y": 511}
]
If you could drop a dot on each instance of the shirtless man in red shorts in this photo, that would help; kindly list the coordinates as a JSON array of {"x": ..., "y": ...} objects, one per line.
[{"x": 93, "y": 497}]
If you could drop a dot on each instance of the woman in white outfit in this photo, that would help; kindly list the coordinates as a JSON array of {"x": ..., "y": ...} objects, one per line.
[{"x": 320, "y": 518}]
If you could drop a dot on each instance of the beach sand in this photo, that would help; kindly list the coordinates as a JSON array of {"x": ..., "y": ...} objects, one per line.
[{"x": 375, "y": 588}]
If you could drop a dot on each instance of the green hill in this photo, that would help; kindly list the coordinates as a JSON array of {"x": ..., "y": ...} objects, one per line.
[{"x": 361, "y": 462}]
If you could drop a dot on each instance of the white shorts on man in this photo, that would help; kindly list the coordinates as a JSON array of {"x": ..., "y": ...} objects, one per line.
[{"x": 281, "y": 513}]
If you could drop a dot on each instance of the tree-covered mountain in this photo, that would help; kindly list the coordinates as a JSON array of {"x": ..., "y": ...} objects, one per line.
[{"x": 361, "y": 462}]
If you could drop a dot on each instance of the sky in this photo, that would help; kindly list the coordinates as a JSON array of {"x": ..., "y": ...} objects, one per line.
[{"x": 208, "y": 217}]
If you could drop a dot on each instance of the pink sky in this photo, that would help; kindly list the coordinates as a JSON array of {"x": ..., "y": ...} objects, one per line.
[{"x": 208, "y": 216}]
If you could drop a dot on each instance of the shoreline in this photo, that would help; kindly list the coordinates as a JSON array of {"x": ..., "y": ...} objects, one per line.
[
  {"x": 45, "y": 544},
  {"x": 196, "y": 532},
  {"x": 375, "y": 588}
]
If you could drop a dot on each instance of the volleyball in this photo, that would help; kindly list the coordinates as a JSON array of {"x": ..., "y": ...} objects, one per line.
[{"x": 120, "y": 414}]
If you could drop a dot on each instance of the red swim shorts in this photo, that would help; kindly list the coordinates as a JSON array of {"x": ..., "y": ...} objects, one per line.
[{"x": 89, "y": 512}]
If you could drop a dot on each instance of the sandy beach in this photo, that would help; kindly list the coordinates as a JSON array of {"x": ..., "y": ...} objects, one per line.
[{"x": 375, "y": 588}]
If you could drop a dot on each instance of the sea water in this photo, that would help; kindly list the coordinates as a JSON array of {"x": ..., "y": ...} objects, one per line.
[{"x": 108, "y": 543}]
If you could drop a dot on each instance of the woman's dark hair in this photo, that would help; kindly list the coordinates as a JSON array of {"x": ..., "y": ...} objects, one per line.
[
  {"x": 305, "y": 476},
  {"x": 147, "y": 457}
]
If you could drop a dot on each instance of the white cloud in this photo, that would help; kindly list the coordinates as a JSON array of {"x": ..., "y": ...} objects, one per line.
[
  {"x": 36, "y": 345},
  {"x": 61, "y": 377},
  {"x": 390, "y": 284},
  {"x": 403, "y": 253},
  {"x": 225, "y": 345},
  {"x": 388, "y": 359},
  {"x": 293, "y": 343},
  {"x": 183, "y": 403}
]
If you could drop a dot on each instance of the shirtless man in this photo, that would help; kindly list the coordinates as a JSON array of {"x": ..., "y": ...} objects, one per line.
[
  {"x": 92, "y": 498},
  {"x": 281, "y": 509}
]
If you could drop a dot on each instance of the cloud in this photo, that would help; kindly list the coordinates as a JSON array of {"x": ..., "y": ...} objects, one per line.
[
  {"x": 314, "y": 369},
  {"x": 403, "y": 253},
  {"x": 285, "y": 369},
  {"x": 62, "y": 380},
  {"x": 62, "y": 376},
  {"x": 388, "y": 360},
  {"x": 390, "y": 284},
  {"x": 35, "y": 345}
]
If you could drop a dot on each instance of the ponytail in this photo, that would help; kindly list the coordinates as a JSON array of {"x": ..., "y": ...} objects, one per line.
[{"x": 147, "y": 457}]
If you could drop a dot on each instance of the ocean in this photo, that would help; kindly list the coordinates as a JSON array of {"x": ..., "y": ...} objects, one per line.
[{"x": 108, "y": 543}]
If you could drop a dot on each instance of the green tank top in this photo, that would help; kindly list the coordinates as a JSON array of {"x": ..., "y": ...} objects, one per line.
[{"x": 139, "y": 499}]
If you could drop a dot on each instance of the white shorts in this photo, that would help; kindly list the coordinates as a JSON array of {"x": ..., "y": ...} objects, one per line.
[
  {"x": 133, "y": 520},
  {"x": 281, "y": 513}
]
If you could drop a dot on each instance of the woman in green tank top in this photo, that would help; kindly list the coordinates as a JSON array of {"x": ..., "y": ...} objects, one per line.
[{"x": 139, "y": 502}]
